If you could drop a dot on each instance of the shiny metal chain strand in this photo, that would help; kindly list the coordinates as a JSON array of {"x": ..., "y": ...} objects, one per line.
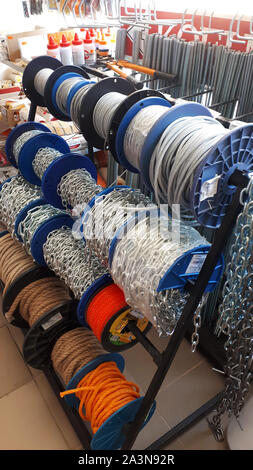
[
  {"x": 236, "y": 318},
  {"x": 77, "y": 188},
  {"x": 14, "y": 196},
  {"x": 107, "y": 215},
  {"x": 43, "y": 158},
  {"x": 21, "y": 140},
  {"x": 142, "y": 257},
  {"x": 72, "y": 261},
  {"x": 34, "y": 218}
]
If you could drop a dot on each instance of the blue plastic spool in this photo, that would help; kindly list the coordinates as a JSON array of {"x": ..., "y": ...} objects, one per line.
[
  {"x": 103, "y": 281},
  {"x": 110, "y": 435},
  {"x": 95, "y": 198},
  {"x": 56, "y": 85},
  {"x": 31, "y": 147},
  {"x": 40, "y": 235},
  {"x": 60, "y": 167},
  {"x": 131, "y": 113},
  {"x": 176, "y": 277},
  {"x": 176, "y": 112},
  {"x": 16, "y": 132},
  {"x": 22, "y": 214},
  {"x": 73, "y": 91},
  {"x": 233, "y": 151},
  {"x": 6, "y": 181}
]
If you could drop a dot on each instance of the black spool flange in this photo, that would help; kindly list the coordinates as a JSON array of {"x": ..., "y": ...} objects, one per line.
[
  {"x": 42, "y": 336},
  {"x": 49, "y": 103},
  {"x": 89, "y": 101},
  {"x": 106, "y": 338},
  {"x": 37, "y": 64},
  {"x": 26, "y": 278},
  {"x": 121, "y": 111}
]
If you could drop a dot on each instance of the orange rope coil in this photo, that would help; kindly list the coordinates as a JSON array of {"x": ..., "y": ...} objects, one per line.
[
  {"x": 101, "y": 392},
  {"x": 104, "y": 305}
]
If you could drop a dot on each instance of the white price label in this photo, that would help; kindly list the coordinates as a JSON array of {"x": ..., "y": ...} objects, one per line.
[
  {"x": 209, "y": 188},
  {"x": 195, "y": 264},
  {"x": 52, "y": 321}
]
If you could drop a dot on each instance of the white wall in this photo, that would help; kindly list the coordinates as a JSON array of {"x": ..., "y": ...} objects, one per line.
[{"x": 12, "y": 18}]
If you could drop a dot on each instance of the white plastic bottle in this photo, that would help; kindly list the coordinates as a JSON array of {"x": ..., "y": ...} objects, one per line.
[
  {"x": 53, "y": 48},
  {"x": 89, "y": 50},
  {"x": 66, "y": 51},
  {"x": 77, "y": 50}
]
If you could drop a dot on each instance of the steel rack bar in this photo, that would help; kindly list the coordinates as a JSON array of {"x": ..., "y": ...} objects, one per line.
[
  {"x": 186, "y": 423},
  {"x": 221, "y": 235}
]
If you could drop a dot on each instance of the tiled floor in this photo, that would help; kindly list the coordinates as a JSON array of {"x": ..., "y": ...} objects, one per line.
[{"x": 32, "y": 418}]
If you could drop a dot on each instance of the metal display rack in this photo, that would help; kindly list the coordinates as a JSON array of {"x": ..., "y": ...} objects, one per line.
[{"x": 213, "y": 347}]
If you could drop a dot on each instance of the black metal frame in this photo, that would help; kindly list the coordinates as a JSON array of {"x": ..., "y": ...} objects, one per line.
[{"x": 164, "y": 360}]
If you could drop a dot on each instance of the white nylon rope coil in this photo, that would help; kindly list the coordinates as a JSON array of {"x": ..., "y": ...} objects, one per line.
[
  {"x": 64, "y": 90},
  {"x": 40, "y": 80},
  {"x": 181, "y": 148},
  {"x": 104, "y": 111},
  {"x": 138, "y": 130},
  {"x": 142, "y": 257},
  {"x": 75, "y": 107}
]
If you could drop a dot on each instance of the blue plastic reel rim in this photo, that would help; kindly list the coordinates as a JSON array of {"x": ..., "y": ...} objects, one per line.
[
  {"x": 56, "y": 85},
  {"x": 31, "y": 147},
  {"x": 102, "y": 281},
  {"x": 94, "y": 199},
  {"x": 110, "y": 435},
  {"x": 60, "y": 167},
  {"x": 175, "y": 277},
  {"x": 130, "y": 114},
  {"x": 6, "y": 181},
  {"x": 73, "y": 91},
  {"x": 233, "y": 151},
  {"x": 16, "y": 132},
  {"x": 40, "y": 235},
  {"x": 72, "y": 400},
  {"x": 22, "y": 214},
  {"x": 176, "y": 112}
]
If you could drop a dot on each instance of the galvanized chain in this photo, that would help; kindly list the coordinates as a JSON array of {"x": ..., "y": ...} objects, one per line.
[
  {"x": 72, "y": 261},
  {"x": 197, "y": 322},
  {"x": 236, "y": 319},
  {"x": 21, "y": 140},
  {"x": 43, "y": 158},
  {"x": 15, "y": 194},
  {"x": 108, "y": 214},
  {"x": 141, "y": 259},
  {"x": 77, "y": 188},
  {"x": 35, "y": 217}
]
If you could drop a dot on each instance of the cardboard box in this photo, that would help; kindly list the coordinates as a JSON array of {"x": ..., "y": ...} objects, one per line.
[{"x": 11, "y": 114}]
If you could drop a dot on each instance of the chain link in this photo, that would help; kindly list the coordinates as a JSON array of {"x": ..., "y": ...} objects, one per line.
[
  {"x": 15, "y": 194},
  {"x": 236, "y": 319},
  {"x": 72, "y": 261},
  {"x": 43, "y": 158}
]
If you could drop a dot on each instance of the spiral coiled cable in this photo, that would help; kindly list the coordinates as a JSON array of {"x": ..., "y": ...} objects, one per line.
[{"x": 104, "y": 111}]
